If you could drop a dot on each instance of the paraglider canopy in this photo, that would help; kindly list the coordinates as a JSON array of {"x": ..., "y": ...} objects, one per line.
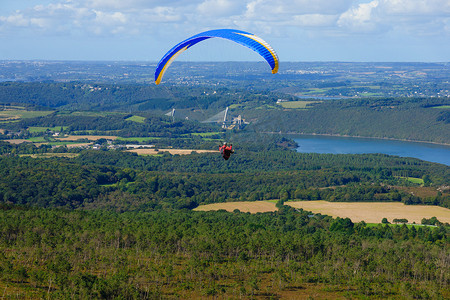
[{"x": 241, "y": 37}]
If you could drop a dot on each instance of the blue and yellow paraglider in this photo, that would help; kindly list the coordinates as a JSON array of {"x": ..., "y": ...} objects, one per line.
[{"x": 241, "y": 37}]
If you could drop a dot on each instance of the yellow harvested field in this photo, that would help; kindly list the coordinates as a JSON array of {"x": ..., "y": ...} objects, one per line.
[
  {"x": 78, "y": 145},
  {"x": 369, "y": 212},
  {"x": 374, "y": 212},
  {"x": 243, "y": 206},
  {"x": 88, "y": 137},
  {"x": 17, "y": 141},
  {"x": 148, "y": 151}
]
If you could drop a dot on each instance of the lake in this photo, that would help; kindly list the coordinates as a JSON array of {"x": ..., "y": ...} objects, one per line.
[{"x": 347, "y": 145}]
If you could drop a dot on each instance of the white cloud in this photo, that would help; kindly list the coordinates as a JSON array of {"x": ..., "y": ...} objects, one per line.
[
  {"x": 319, "y": 19},
  {"x": 219, "y": 8},
  {"x": 118, "y": 4},
  {"x": 313, "y": 20},
  {"x": 140, "y": 14},
  {"x": 360, "y": 18},
  {"x": 40, "y": 22},
  {"x": 416, "y": 7},
  {"x": 283, "y": 8},
  {"x": 110, "y": 19},
  {"x": 414, "y": 17},
  {"x": 15, "y": 20}
]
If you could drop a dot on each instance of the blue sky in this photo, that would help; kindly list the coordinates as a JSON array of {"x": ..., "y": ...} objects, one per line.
[{"x": 299, "y": 30}]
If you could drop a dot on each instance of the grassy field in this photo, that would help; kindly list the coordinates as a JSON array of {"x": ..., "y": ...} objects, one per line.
[
  {"x": 415, "y": 180},
  {"x": 90, "y": 113},
  {"x": 137, "y": 119},
  {"x": 369, "y": 212},
  {"x": 205, "y": 134},
  {"x": 138, "y": 139},
  {"x": 35, "y": 129},
  {"x": 37, "y": 139},
  {"x": 297, "y": 104},
  {"x": 15, "y": 114},
  {"x": 442, "y": 106},
  {"x": 412, "y": 179},
  {"x": 87, "y": 137}
]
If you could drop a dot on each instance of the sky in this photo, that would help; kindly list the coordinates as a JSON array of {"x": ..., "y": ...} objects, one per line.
[{"x": 298, "y": 30}]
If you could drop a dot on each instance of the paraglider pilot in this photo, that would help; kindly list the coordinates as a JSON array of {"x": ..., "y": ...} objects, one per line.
[{"x": 226, "y": 151}]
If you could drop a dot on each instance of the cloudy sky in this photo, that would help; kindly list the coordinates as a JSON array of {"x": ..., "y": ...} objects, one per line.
[{"x": 299, "y": 30}]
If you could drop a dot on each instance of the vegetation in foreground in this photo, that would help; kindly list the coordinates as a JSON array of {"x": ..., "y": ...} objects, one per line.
[
  {"x": 184, "y": 254},
  {"x": 127, "y": 230}
]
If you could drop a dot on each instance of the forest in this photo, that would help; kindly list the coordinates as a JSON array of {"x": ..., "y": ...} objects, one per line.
[
  {"x": 400, "y": 118},
  {"x": 98, "y": 254},
  {"x": 110, "y": 224}
]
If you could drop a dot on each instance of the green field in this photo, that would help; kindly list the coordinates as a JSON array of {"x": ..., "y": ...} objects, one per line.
[
  {"x": 35, "y": 129},
  {"x": 413, "y": 180},
  {"x": 297, "y": 104},
  {"x": 51, "y": 142},
  {"x": 442, "y": 106},
  {"x": 314, "y": 91},
  {"x": 137, "y": 119},
  {"x": 38, "y": 139},
  {"x": 138, "y": 139},
  {"x": 205, "y": 134},
  {"x": 22, "y": 114},
  {"x": 233, "y": 106},
  {"x": 90, "y": 113}
]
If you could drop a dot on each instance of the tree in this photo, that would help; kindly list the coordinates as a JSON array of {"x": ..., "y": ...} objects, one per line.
[
  {"x": 401, "y": 221},
  {"x": 426, "y": 180},
  {"x": 431, "y": 221}
]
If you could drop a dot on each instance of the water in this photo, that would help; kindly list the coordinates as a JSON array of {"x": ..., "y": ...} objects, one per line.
[{"x": 346, "y": 145}]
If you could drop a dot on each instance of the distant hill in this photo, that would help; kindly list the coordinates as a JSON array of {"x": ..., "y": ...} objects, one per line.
[
  {"x": 409, "y": 118},
  {"x": 402, "y": 118}
]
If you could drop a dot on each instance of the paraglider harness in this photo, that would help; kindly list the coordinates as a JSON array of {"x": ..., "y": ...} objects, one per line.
[{"x": 226, "y": 151}]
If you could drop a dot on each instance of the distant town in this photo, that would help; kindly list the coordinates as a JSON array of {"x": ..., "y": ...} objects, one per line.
[{"x": 302, "y": 79}]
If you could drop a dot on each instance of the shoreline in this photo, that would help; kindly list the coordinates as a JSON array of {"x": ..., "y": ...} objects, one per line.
[{"x": 358, "y": 137}]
